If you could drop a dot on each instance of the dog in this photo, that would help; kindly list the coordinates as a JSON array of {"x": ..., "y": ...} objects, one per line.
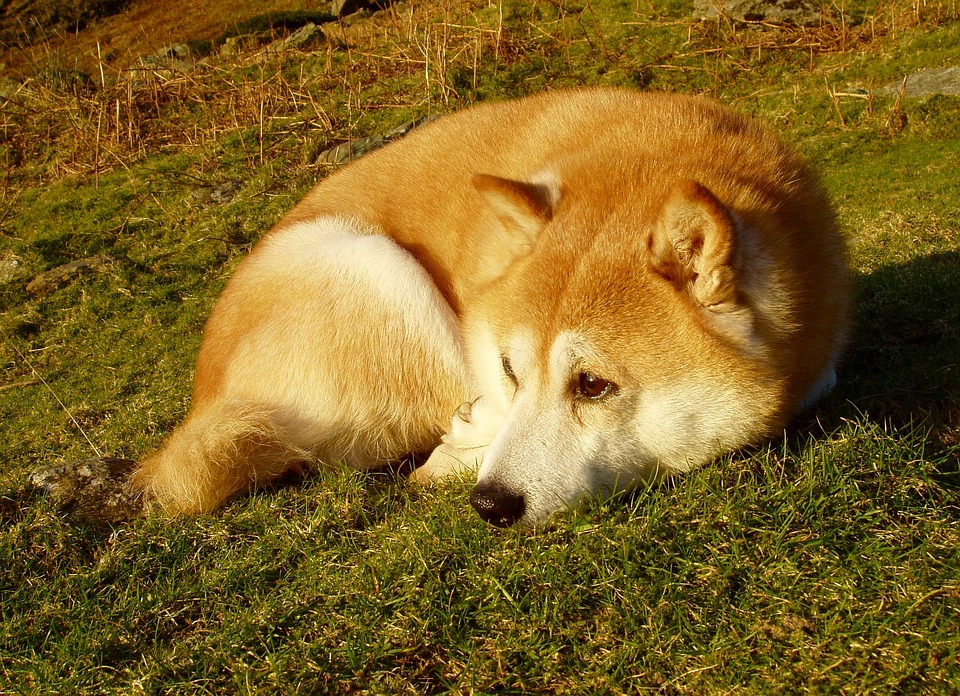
[{"x": 566, "y": 294}]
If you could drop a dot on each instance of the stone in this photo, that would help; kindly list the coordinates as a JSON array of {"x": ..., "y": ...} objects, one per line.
[
  {"x": 11, "y": 268},
  {"x": 220, "y": 194},
  {"x": 70, "y": 81},
  {"x": 232, "y": 46},
  {"x": 91, "y": 491},
  {"x": 303, "y": 37},
  {"x": 175, "y": 57},
  {"x": 343, "y": 8},
  {"x": 926, "y": 83},
  {"x": 48, "y": 281},
  {"x": 225, "y": 192},
  {"x": 354, "y": 149},
  {"x": 9, "y": 87},
  {"x": 172, "y": 52},
  {"x": 796, "y": 12}
]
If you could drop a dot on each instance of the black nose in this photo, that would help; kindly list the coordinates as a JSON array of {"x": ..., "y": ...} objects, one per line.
[{"x": 497, "y": 504}]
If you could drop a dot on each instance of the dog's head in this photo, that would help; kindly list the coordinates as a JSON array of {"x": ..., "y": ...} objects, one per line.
[{"x": 617, "y": 340}]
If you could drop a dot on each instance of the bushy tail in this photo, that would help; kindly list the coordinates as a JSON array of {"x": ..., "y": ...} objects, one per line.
[{"x": 221, "y": 450}]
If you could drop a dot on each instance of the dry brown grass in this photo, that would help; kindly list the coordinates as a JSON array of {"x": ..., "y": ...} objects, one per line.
[
  {"x": 402, "y": 58},
  {"x": 725, "y": 38},
  {"x": 144, "y": 27},
  {"x": 134, "y": 110}
]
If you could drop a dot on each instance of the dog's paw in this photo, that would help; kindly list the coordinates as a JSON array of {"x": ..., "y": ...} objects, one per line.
[
  {"x": 447, "y": 461},
  {"x": 474, "y": 424}
]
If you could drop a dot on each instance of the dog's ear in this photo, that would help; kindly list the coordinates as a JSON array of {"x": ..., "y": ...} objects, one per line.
[
  {"x": 692, "y": 246},
  {"x": 522, "y": 208}
]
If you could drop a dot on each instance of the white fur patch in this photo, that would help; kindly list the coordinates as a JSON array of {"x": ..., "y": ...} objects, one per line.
[
  {"x": 499, "y": 400},
  {"x": 553, "y": 450},
  {"x": 759, "y": 282},
  {"x": 550, "y": 182},
  {"x": 542, "y": 450},
  {"x": 680, "y": 427},
  {"x": 344, "y": 250},
  {"x": 348, "y": 303}
]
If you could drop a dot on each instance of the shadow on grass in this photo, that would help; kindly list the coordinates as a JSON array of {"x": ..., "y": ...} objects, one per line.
[
  {"x": 904, "y": 359},
  {"x": 902, "y": 366}
]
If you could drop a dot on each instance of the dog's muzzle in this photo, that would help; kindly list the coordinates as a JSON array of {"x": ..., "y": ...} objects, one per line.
[{"x": 497, "y": 504}]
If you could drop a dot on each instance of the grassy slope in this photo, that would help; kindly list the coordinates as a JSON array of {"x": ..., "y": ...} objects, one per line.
[{"x": 826, "y": 561}]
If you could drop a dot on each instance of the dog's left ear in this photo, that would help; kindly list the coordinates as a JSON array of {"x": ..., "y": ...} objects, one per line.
[
  {"x": 522, "y": 208},
  {"x": 692, "y": 245}
]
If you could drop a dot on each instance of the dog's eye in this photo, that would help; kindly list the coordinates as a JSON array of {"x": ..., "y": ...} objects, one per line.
[
  {"x": 508, "y": 370},
  {"x": 590, "y": 386}
]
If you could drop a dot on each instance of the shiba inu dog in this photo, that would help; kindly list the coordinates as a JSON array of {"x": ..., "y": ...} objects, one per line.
[{"x": 567, "y": 294}]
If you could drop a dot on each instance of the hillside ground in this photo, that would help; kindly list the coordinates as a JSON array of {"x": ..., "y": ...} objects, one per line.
[{"x": 826, "y": 561}]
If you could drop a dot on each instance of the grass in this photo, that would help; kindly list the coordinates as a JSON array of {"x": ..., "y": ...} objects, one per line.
[{"x": 825, "y": 562}]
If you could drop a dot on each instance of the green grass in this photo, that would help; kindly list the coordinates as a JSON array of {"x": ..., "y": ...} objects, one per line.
[{"x": 827, "y": 561}]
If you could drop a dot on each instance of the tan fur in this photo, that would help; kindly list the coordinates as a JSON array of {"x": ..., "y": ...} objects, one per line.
[{"x": 661, "y": 242}]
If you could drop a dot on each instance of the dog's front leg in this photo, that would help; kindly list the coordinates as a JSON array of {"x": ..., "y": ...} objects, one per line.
[{"x": 461, "y": 452}]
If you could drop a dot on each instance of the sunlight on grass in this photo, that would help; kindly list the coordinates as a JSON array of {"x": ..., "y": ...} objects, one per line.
[{"x": 825, "y": 561}]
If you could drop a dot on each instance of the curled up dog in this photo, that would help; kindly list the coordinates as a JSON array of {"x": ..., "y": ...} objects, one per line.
[{"x": 566, "y": 294}]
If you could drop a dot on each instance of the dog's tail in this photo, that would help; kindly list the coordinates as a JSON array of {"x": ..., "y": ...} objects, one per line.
[{"x": 222, "y": 449}]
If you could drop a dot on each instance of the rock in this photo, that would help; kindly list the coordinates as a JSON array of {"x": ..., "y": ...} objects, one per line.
[
  {"x": 9, "y": 87},
  {"x": 345, "y": 152},
  {"x": 925, "y": 83},
  {"x": 48, "y": 281},
  {"x": 223, "y": 193},
  {"x": 70, "y": 81},
  {"x": 10, "y": 268},
  {"x": 342, "y": 8},
  {"x": 232, "y": 46},
  {"x": 797, "y": 12},
  {"x": 303, "y": 37},
  {"x": 300, "y": 39},
  {"x": 91, "y": 491},
  {"x": 175, "y": 58},
  {"x": 168, "y": 53},
  {"x": 354, "y": 149}
]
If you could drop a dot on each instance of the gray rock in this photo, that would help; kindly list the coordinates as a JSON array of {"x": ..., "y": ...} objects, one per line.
[
  {"x": 354, "y": 149},
  {"x": 925, "y": 83},
  {"x": 300, "y": 39},
  {"x": 225, "y": 192},
  {"x": 10, "y": 88},
  {"x": 232, "y": 46},
  {"x": 796, "y": 12},
  {"x": 48, "y": 281},
  {"x": 167, "y": 53},
  {"x": 91, "y": 491},
  {"x": 70, "y": 81},
  {"x": 303, "y": 37},
  {"x": 11, "y": 268},
  {"x": 220, "y": 194},
  {"x": 174, "y": 58},
  {"x": 343, "y": 8}
]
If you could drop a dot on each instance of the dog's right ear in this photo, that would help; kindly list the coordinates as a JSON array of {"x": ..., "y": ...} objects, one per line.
[
  {"x": 692, "y": 246},
  {"x": 522, "y": 208}
]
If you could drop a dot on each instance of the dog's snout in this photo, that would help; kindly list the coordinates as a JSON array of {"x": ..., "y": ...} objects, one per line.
[{"x": 497, "y": 504}]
